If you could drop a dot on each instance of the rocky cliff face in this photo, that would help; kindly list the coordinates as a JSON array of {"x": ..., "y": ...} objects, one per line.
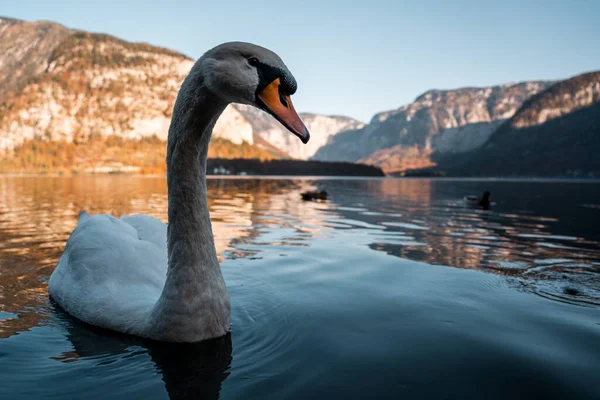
[
  {"x": 66, "y": 85},
  {"x": 25, "y": 49},
  {"x": 446, "y": 121},
  {"x": 71, "y": 85},
  {"x": 554, "y": 133},
  {"x": 95, "y": 85},
  {"x": 560, "y": 99},
  {"x": 321, "y": 128}
]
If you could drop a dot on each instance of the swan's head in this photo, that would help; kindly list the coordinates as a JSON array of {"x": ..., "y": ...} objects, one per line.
[{"x": 245, "y": 73}]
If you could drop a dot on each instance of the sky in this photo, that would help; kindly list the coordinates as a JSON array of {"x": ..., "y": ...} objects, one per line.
[{"x": 357, "y": 58}]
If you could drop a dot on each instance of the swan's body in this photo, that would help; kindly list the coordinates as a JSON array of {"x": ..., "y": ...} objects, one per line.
[
  {"x": 115, "y": 267},
  {"x": 137, "y": 275}
]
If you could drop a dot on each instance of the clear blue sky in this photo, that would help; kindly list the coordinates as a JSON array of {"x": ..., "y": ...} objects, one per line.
[{"x": 357, "y": 58}]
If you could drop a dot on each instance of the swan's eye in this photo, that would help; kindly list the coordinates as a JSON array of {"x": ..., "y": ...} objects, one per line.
[{"x": 253, "y": 61}]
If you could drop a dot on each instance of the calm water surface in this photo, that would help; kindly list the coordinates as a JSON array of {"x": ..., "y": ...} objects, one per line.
[{"x": 391, "y": 289}]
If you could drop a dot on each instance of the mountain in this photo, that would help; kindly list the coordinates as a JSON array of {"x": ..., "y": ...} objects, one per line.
[
  {"x": 438, "y": 121},
  {"x": 76, "y": 87},
  {"x": 25, "y": 47},
  {"x": 554, "y": 133},
  {"x": 321, "y": 127},
  {"x": 77, "y": 101},
  {"x": 93, "y": 85}
]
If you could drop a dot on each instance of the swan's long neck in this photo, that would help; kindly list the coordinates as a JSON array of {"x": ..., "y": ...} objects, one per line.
[
  {"x": 194, "y": 302},
  {"x": 190, "y": 239}
]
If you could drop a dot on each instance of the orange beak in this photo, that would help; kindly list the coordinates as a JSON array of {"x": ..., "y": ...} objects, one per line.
[{"x": 275, "y": 102}]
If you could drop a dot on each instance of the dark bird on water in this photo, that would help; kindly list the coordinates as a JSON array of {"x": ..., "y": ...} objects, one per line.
[
  {"x": 483, "y": 201},
  {"x": 314, "y": 195}
]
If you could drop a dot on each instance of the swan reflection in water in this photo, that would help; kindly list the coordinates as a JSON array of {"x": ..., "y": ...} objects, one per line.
[{"x": 189, "y": 370}]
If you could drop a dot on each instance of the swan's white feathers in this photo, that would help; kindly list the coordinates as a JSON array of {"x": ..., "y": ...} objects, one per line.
[
  {"x": 148, "y": 228},
  {"x": 112, "y": 271},
  {"x": 82, "y": 215}
]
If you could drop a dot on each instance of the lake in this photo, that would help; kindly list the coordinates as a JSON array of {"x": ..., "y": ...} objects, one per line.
[{"x": 392, "y": 288}]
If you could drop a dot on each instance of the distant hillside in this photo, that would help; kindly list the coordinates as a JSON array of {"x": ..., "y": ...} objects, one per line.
[
  {"x": 74, "y": 101},
  {"x": 25, "y": 49},
  {"x": 555, "y": 133},
  {"x": 110, "y": 154},
  {"x": 90, "y": 85},
  {"x": 438, "y": 121},
  {"x": 321, "y": 127},
  {"x": 63, "y": 85}
]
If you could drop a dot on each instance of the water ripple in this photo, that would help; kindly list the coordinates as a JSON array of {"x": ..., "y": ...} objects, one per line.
[{"x": 381, "y": 263}]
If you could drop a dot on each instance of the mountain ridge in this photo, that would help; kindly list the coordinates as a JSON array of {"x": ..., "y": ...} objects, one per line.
[
  {"x": 453, "y": 121},
  {"x": 554, "y": 133},
  {"x": 69, "y": 85},
  {"x": 73, "y": 86}
]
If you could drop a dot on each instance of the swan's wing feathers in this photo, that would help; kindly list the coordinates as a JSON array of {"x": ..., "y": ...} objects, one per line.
[
  {"x": 148, "y": 228},
  {"x": 103, "y": 248},
  {"x": 82, "y": 216},
  {"x": 107, "y": 275}
]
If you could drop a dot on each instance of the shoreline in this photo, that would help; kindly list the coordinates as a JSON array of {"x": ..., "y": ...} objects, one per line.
[{"x": 249, "y": 176}]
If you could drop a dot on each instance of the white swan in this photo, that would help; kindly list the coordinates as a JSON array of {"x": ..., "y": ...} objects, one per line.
[{"x": 136, "y": 274}]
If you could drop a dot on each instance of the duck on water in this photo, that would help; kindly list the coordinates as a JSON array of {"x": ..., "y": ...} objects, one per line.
[
  {"x": 137, "y": 275},
  {"x": 482, "y": 202},
  {"x": 314, "y": 195}
]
